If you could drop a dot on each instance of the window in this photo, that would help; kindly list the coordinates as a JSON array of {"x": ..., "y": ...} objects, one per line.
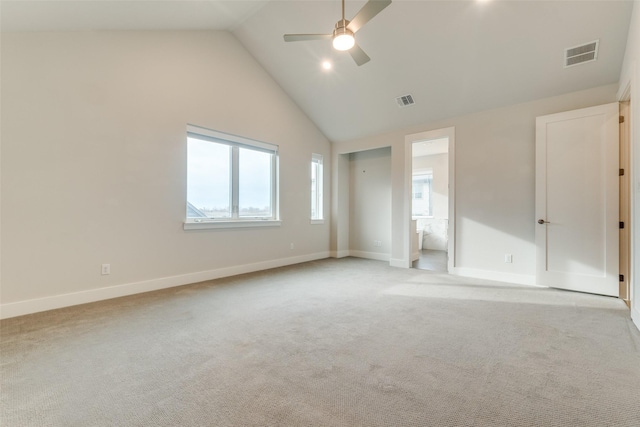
[
  {"x": 421, "y": 194},
  {"x": 316, "y": 188},
  {"x": 230, "y": 179}
]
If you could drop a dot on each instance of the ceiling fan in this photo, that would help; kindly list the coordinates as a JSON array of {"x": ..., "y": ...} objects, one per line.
[{"x": 344, "y": 31}]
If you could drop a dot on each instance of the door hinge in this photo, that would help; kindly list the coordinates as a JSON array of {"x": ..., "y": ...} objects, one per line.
[
  {"x": 621, "y": 224},
  {"x": 621, "y": 172},
  {"x": 621, "y": 119},
  {"x": 621, "y": 277}
]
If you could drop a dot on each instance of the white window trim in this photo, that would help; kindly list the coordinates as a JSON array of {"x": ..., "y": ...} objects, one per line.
[
  {"x": 245, "y": 222},
  {"x": 212, "y": 224}
]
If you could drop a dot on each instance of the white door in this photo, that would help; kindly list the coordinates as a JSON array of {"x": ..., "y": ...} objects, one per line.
[{"x": 577, "y": 200}]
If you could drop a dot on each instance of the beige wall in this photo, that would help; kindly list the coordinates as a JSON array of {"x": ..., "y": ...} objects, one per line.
[
  {"x": 94, "y": 162},
  {"x": 494, "y": 183},
  {"x": 370, "y": 202}
]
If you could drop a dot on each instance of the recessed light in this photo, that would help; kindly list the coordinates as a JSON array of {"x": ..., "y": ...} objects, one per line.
[{"x": 327, "y": 65}]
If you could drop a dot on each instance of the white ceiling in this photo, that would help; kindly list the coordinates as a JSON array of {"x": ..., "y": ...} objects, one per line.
[
  {"x": 454, "y": 57},
  {"x": 79, "y": 15}
]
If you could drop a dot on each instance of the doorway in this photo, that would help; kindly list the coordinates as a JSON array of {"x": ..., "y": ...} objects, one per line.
[{"x": 431, "y": 200}]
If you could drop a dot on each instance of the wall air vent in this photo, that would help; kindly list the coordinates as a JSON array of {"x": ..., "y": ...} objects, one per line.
[
  {"x": 581, "y": 54},
  {"x": 405, "y": 101}
]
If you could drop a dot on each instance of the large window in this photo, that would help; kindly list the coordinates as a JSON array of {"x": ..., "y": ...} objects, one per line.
[
  {"x": 421, "y": 194},
  {"x": 230, "y": 178},
  {"x": 316, "y": 188}
]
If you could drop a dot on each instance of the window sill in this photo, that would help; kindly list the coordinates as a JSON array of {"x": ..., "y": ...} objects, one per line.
[
  {"x": 317, "y": 221},
  {"x": 206, "y": 225}
]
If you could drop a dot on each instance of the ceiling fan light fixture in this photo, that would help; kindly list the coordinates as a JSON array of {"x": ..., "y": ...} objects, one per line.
[
  {"x": 343, "y": 42},
  {"x": 342, "y": 37},
  {"x": 343, "y": 34}
]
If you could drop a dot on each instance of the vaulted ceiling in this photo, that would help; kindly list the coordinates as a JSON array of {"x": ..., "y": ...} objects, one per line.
[{"x": 453, "y": 57}]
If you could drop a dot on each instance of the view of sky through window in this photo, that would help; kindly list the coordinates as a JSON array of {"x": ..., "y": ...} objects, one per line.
[
  {"x": 209, "y": 177},
  {"x": 209, "y": 180},
  {"x": 255, "y": 183}
]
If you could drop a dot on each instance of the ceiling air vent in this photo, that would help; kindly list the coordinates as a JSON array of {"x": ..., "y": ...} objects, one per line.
[
  {"x": 405, "y": 101},
  {"x": 581, "y": 54}
]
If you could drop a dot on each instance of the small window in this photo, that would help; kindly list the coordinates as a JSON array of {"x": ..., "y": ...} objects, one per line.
[
  {"x": 422, "y": 189},
  {"x": 230, "y": 178},
  {"x": 316, "y": 188}
]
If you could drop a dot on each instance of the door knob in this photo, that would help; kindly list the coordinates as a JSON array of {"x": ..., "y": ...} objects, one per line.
[{"x": 542, "y": 221}]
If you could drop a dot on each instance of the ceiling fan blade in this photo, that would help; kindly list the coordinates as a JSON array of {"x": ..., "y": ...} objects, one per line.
[
  {"x": 358, "y": 55},
  {"x": 366, "y": 14},
  {"x": 305, "y": 37}
]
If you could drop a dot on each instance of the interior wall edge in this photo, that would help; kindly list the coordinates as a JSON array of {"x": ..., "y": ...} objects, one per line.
[
  {"x": 20, "y": 308},
  {"x": 339, "y": 254},
  {"x": 399, "y": 262}
]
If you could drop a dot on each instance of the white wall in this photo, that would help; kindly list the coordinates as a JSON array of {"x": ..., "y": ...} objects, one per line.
[
  {"x": 370, "y": 203},
  {"x": 495, "y": 182},
  {"x": 94, "y": 163},
  {"x": 630, "y": 80}
]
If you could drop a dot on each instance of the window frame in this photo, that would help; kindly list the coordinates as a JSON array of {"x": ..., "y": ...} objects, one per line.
[
  {"x": 429, "y": 193},
  {"x": 236, "y": 142},
  {"x": 317, "y": 163}
]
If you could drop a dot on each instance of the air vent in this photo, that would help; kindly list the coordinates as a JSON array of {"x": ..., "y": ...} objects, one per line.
[
  {"x": 405, "y": 101},
  {"x": 581, "y": 54}
]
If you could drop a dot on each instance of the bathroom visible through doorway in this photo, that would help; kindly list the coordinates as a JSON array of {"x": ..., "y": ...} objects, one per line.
[{"x": 430, "y": 204}]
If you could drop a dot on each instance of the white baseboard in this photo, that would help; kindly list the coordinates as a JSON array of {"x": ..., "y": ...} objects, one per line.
[
  {"x": 370, "y": 255},
  {"x": 339, "y": 254},
  {"x": 635, "y": 317},
  {"x": 21, "y": 308},
  {"x": 498, "y": 276},
  {"x": 399, "y": 262}
]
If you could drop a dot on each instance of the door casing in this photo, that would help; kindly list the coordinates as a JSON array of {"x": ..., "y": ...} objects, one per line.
[{"x": 409, "y": 140}]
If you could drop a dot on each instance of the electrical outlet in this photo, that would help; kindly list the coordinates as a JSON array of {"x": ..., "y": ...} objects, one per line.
[
  {"x": 106, "y": 269},
  {"x": 508, "y": 258},
  {"x": 292, "y": 246}
]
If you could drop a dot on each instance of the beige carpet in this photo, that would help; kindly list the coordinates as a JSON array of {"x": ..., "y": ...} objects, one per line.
[{"x": 329, "y": 343}]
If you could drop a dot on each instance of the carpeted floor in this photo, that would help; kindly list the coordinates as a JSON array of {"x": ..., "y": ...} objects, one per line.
[{"x": 345, "y": 342}]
